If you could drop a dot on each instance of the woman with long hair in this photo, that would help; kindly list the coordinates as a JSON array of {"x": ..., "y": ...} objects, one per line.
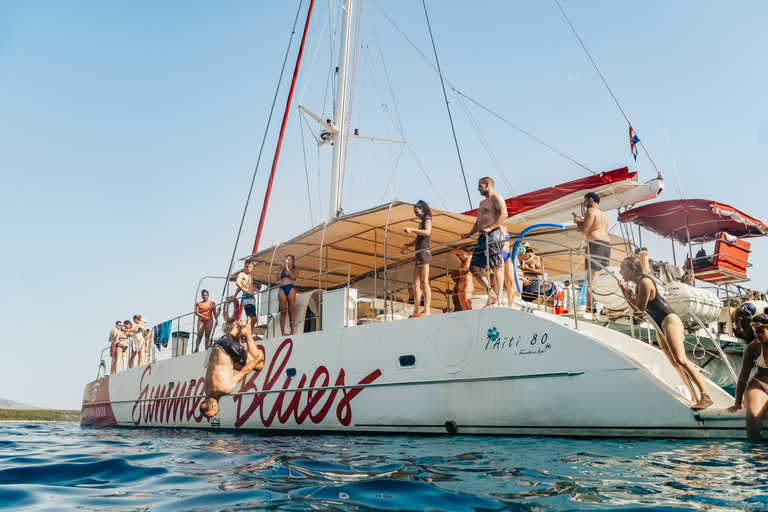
[
  {"x": 287, "y": 292},
  {"x": 423, "y": 257},
  {"x": 754, "y": 392},
  {"x": 670, "y": 332}
]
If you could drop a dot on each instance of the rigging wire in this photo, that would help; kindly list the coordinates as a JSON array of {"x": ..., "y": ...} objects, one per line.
[
  {"x": 426, "y": 59},
  {"x": 413, "y": 154},
  {"x": 282, "y": 128},
  {"x": 605, "y": 82},
  {"x": 261, "y": 150},
  {"x": 673, "y": 162},
  {"x": 510, "y": 123},
  {"x": 487, "y": 147},
  {"x": 447, "y": 105},
  {"x": 306, "y": 173},
  {"x": 392, "y": 176}
]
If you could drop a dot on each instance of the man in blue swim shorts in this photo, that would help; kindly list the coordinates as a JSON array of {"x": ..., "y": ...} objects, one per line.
[
  {"x": 491, "y": 214},
  {"x": 244, "y": 282}
]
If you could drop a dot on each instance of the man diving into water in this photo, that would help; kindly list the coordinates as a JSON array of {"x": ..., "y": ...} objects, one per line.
[{"x": 228, "y": 355}]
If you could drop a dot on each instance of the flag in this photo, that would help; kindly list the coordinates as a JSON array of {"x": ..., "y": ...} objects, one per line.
[{"x": 633, "y": 140}]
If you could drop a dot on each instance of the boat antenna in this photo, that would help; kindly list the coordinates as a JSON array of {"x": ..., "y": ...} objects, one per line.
[
  {"x": 673, "y": 162},
  {"x": 282, "y": 130},
  {"x": 447, "y": 104},
  {"x": 261, "y": 151},
  {"x": 606, "y": 84}
]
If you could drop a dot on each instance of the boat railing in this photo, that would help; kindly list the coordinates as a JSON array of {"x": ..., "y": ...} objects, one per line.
[
  {"x": 271, "y": 294},
  {"x": 696, "y": 319}
]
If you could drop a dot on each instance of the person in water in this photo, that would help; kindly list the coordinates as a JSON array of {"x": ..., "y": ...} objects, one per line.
[
  {"x": 423, "y": 258},
  {"x": 205, "y": 311},
  {"x": 229, "y": 355},
  {"x": 491, "y": 214},
  {"x": 594, "y": 226},
  {"x": 669, "y": 328},
  {"x": 287, "y": 292},
  {"x": 754, "y": 392}
]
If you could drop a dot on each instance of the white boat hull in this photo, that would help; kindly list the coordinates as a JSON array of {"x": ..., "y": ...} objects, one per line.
[{"x": 497, "y": 371}]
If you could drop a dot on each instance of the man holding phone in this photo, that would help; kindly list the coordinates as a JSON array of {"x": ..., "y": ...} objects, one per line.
[{"x": 594, "y": 226}]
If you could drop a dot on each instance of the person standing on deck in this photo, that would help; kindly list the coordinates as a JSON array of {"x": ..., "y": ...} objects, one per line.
[
  {"x": 594, "y": 226},
  {"x": 119, "y": 347},
  {"x": 244, "y": 282},
  {"x": 286, "y": 293},
  {"x": 205, "y": 311},
  {"x": 491, "y": 214},
  {"x": 423, "y": 258}
]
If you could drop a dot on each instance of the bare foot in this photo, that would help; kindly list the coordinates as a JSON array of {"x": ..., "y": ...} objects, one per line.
[
  {"x": 260, "y": 363},
  {"x": 704, "y": 402}
]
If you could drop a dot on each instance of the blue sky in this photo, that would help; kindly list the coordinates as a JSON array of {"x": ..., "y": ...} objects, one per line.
[{"x": 129, "y": 132}]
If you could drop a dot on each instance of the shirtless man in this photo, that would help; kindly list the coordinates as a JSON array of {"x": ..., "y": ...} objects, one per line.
[
  {"x": 244, "y": 282},
  {"x": 594, "y": 226},
  {"x": 227, "y": 355},
  {"x": 490, "y": 216}
]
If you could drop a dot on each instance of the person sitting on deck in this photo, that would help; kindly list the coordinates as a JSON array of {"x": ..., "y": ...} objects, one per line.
[
  {"x": 755, "y": 390},
  {"x": 227, "y": 355},
  {"x": 670, "y": 331}
]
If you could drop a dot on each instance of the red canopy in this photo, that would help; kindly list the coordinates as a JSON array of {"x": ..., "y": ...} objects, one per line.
[
  {"x": 703, "y": 218},
  {"x": 537, "y": 198}
]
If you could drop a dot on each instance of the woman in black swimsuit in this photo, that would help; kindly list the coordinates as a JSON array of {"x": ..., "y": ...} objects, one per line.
[
  {"x": 423, "y": 257},
  {"x": 669, "y": 327}
]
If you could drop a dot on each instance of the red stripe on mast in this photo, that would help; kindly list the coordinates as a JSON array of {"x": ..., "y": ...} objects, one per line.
[{"x": 282, "y": 131}]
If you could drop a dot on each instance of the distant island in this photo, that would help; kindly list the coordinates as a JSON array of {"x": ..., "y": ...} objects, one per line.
[
  {"x": 38, "y": 415},
  {"x": 15, "y": 411}
]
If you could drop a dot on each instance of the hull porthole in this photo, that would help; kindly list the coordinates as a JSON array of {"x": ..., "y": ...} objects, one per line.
[{"x": 451, "y": 427}]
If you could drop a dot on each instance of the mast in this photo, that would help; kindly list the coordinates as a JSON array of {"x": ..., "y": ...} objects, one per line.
[{"x": 339, "y": 110}]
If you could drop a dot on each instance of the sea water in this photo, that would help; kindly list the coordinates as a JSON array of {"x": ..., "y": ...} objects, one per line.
[{"x": 63, "y": 466}]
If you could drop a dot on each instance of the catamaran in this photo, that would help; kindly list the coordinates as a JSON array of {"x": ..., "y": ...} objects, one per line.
[{"x": 358, "y": 364}]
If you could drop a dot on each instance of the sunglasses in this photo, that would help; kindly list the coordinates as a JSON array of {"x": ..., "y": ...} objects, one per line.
[{"x": 758, "y": 325}]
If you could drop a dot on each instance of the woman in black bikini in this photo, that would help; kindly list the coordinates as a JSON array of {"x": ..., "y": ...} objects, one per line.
[
  {"x": 287, "y": 293},
  {"x": 423, "y": 257},
  {"x": 754, "y": 391},
  {"x": 669, "y": 327}
]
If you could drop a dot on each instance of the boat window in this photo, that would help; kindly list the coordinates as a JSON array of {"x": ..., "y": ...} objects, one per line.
[
  {"x": 290, "y": 372},
  {"x": 407, "y": 361}
]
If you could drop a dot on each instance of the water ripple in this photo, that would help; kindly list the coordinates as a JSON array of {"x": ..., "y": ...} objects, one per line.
[{"x": 56, "y": 466}]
